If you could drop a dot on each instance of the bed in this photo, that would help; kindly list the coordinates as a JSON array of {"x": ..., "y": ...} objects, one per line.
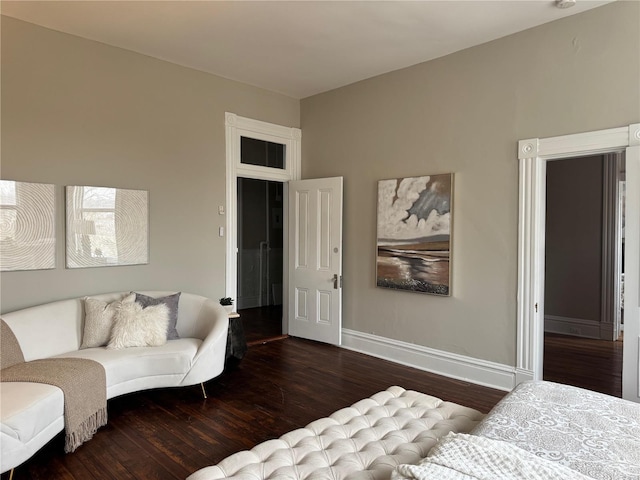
[{"x": 595, "y": 434}]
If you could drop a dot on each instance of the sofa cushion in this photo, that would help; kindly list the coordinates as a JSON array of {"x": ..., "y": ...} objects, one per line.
[
  {"x": 98, "y": 320},
  {"x": 172, "y": 358},
  {"x": 29, "y": 408},
  {"x": 171, "y": 301}
]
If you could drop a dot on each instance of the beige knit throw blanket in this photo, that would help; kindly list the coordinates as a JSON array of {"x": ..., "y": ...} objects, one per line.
[
  {"x": 83, "y": 383},
  {"x": 10, "y": 351}
]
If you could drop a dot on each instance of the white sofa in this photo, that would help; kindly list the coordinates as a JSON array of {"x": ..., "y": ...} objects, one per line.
[{"x": 32, "y": 414}]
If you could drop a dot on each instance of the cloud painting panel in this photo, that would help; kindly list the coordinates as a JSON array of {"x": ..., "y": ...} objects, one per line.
[{"x": 414, "y": 233}]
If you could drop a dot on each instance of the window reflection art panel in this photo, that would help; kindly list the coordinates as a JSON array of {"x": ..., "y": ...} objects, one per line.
[
  {"x": 27, "y": 226},
  {"x": 107, "y": 227}
]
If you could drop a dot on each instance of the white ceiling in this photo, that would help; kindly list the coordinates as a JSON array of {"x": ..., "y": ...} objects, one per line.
[{"x": 298, "y": 48}]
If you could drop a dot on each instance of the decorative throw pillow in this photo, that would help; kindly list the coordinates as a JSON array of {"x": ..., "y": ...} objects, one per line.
[
  {"x": 171, "y": 301},
  {"x": 98, "y": 320},
  {"x": 135, "y": 326}
]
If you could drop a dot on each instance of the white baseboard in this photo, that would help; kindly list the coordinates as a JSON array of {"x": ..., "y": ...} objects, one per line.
[
  {"x": 578, "y": 327},
  {"x": 523, "y": 376},
  {"x": 469, "y": 369},
  {"x": 248, "y": 302}
]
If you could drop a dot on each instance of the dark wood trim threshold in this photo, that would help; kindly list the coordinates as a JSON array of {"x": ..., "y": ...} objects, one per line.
[{"x": 266, "y": 340}]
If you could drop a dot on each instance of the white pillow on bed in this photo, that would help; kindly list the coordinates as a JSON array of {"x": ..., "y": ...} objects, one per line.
[{"x": 135, "y": 326}]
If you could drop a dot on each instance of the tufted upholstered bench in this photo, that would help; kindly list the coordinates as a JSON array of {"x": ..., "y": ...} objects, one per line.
[{"x": 364, "y": 441}]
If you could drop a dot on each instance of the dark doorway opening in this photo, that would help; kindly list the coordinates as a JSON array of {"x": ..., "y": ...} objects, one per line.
[
  {"x": 260, "y": 258},
  {"x": 584, "y": 275}
]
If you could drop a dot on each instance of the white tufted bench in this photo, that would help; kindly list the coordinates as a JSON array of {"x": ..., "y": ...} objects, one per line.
[{"x": 364, "y": 441}]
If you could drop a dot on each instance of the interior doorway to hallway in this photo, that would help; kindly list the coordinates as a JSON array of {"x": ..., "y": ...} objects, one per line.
[
  {"x": 533, "y": 156},
  {"x": 584, "y": 272},
  {"x": 261, "y": 151},
  {"x": 260, "y": 258}
]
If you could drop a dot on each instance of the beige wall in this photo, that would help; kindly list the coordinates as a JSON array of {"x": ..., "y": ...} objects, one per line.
[
  {"x": 573, "y": 249},
  {"x": 77, "y": 112},
  {"x": 464, "y": 113}
]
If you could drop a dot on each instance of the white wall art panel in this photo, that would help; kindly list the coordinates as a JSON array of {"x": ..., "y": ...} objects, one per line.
[
  {"x": 27, "y": 221},
  {"x": 107, "y": 227}
]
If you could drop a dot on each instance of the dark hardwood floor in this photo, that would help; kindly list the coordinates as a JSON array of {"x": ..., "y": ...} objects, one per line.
[
  {"x": 262, "y": 324},
  {"x": 277, "y": 387},
  {"x": 584, "y": 362}
]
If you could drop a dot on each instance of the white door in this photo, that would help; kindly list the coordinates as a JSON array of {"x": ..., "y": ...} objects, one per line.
[
  {"x": 315, "y": 259},
  {"x": 631, "y": 348}
]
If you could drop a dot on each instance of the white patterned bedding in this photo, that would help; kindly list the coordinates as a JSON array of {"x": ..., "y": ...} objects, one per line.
[{"x": 591, "y": 433}]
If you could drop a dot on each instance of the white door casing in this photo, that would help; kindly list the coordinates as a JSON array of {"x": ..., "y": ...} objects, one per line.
[
  {"x": 315, "y": 259},
  {"x": 610, "y": 325},
  {"x": 533, "y": 155},
  {"x": 631, "y": 351},
  {"x": 237, "y": 127}
]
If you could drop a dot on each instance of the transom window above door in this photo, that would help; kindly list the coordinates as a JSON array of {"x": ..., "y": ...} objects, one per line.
[{"x": 262, "y": 153}]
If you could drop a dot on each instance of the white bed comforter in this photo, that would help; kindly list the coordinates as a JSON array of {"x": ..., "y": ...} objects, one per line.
[
  {"x": 467, "y": 457},
  {"x": 589, "y": 432}
]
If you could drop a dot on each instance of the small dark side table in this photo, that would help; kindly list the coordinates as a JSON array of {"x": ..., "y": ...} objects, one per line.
[{"x": 236, "y": 341}]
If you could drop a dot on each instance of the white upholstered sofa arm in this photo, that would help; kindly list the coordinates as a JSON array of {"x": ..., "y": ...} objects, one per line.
[{"x": 212, "y": 324}]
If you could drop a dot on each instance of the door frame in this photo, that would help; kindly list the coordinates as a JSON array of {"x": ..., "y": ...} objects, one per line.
[
  {"x": 611, "y": 251},
  {"x": 235, "y": 128},
  {"x": 532, "y": 155}
]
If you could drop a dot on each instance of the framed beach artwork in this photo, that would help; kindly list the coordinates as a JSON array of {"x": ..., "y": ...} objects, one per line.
[{"x": 414, "y": 234}]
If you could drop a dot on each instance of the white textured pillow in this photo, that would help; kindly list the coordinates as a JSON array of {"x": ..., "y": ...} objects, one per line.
[
  {"x": 98, "y": 320},
  {"x": 135, "y": 326}
]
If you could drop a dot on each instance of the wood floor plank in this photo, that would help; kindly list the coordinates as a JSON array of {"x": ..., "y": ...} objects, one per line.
[
  {"x": 169, "y": 433},
  {"x": 261, "y": 323},
  {"x": 584, "y": 362}
]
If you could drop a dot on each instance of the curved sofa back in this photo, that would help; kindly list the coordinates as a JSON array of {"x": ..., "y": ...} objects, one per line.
[{"x": 56, "y": 328}]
